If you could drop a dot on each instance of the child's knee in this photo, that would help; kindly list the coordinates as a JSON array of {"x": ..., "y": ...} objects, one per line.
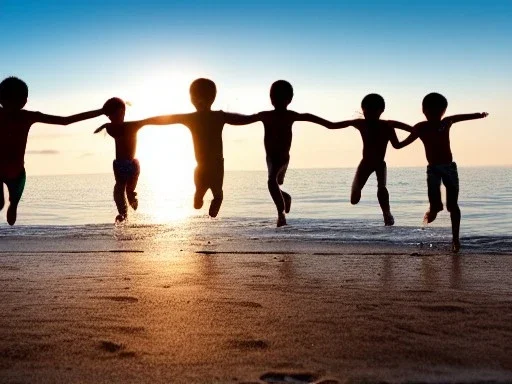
[
  {"x": 382, "y": 190},
  {"x": 452, "y": 207},
  {"x": 272, "y": 183},
  {"x": 198, "y": 201},
  {"x": 218, "y": 195}
]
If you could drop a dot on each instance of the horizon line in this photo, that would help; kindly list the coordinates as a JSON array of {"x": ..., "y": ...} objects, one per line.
[{"x": 289, "y": 169}]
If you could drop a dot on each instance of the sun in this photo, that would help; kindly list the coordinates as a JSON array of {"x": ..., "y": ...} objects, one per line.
[{"x": 166, "y": 151}]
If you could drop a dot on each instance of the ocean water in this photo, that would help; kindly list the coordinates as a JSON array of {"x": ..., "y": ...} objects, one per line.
[{"x": 81, "y": 206}]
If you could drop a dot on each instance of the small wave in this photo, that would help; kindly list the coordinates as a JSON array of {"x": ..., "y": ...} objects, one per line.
[{"x": 332, "y": 231}]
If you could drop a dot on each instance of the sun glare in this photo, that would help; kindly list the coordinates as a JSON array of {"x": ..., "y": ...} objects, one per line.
[{"x": 165, "y": 152}]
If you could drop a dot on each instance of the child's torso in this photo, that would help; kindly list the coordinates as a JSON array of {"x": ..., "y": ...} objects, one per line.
[
  {"x": 375, "y": 136},
  {"x": 125, "y": 137},
  {"x": 436, "y": 139},
  {"x": 14, "y": 129},
  {"x": 206, "y": 129},
  {"x": 278, "y": 132}
]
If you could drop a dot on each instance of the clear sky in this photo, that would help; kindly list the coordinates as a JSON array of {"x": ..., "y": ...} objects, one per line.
[{"x": 76, "y": 54}]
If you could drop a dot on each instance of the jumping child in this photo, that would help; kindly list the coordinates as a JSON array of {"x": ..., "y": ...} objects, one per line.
[
  {"x": 376, "y": 134},
  {"x": 435, "y": 135},
  {"x": 15, "y": 124}
]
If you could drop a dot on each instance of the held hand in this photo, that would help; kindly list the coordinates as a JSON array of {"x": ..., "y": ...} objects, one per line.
[
  {"x": 101, "y": 128},
  {"x": 483, "y": 114}
]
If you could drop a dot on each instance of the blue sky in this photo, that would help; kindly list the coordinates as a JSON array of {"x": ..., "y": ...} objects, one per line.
[{"x": 75, "y": 54}]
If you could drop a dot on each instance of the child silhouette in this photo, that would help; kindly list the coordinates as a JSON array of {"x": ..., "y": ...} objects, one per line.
[
  {"x": 435, "y": 135},
  {"x": 15, "y": 124},
  {"x": 376, "y": 134}
]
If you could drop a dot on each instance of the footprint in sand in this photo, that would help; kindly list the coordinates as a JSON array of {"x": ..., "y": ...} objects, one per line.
[
  {"x": 110, "y": 346},
  {"x": 289, "y": 378},
  {"x": 250, "y": 344},
  {"x": 126, "y": 299},
  {"x": 442, "y": 308}
]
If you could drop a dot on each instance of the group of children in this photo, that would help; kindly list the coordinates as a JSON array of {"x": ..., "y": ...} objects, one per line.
[{"x": 206, "y": 128}]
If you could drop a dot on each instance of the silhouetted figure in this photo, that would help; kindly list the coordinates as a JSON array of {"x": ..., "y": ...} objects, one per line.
[
  {"x": 278, "y": 140},
  {"x": 15, "y": 123},
  {"x": 435, "y": 135},
  {"x": 206, "y": 128},
  {"x": 376, "y": 134},
  {"x": 126, "y": 166}
]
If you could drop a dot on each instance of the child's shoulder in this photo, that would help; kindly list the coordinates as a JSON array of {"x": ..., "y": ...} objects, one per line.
[
  {"x": 422, "y": 125},
  {"x": 22, "y": 115}
]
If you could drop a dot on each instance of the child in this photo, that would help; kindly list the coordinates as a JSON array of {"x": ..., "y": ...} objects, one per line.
[
  {"x": 126, "y": 166},
  {"x": 206, "y": 128},
  {"x": 278, "y": 139},
  {"x": 15, "y": 123},
  {"x": 376, "y": 134},
  {"x": 435, "y": 135}
]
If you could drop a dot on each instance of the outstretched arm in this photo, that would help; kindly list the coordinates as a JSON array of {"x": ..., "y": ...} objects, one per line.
[
  {"x": 400, "y": 125},
  {"x": 469, "y": 116},
  {"x": 345, "y": 124},
  {"x": 66, "y": 120},
  {"x": 313, "y": 119},
  {"x": 165, "y": 120},
  {"x": 237, "y": 119},
  {"x": 408, "y": 140},
  {"x": 394, "y": 139}
]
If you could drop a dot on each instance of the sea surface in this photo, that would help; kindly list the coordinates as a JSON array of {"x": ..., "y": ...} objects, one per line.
[{"x": 81, "y": 206}]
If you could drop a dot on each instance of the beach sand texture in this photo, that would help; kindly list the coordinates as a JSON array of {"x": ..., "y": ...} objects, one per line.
[{"x": 75, "y": 312}]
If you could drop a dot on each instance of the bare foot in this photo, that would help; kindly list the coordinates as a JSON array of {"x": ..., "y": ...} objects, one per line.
[
  {"x": 134, "y": 202},
  {"x": 120, "y": 218},
  {"x": 430, "y": 216},
  {"x": 215, "y": 207},
  {"x": 287, "y": 203},
  {"x": 388, "y": 219},
  {"x": 198, "y": 202},
  {"x": 11, "y": 213},
  {"x": 281, "y": 220},
  {"x": 455, "y": 246}
]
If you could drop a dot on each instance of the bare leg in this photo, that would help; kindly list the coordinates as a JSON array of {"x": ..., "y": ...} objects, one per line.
[
  {"x": 434, "y": 195},
  {"x": 363, "y": 172},
  {"x": 287, "y": 199},
  {"x": 451, "y": 182},
  {"x": 120, "y": 200},
  {"x": 131, "y": 185},
  {"x": 277, "y": 197},
  {"x": 282, "y": 200},
  {"x": 455, "y": 218},
  {"x": 15, "y": 187},
  {"x": 383, "y": 194},
  {"x": 216, "y": 203},
  {"x": 217, "y": 180},
  {"x": 201, "y": 188},
  {"x": 2, "y": 197}
]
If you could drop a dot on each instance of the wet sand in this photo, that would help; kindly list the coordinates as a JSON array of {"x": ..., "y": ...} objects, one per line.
[{"x": 136, "y": 311}]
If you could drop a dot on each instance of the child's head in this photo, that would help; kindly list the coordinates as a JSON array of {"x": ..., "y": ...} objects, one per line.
[
  {"x": 203, "y": 93},
  {"x": 114, "y": 108},
  {"x": 373, "y": 105},
  {"x": 281, "y": 94},
  {"x": 13, "y": 93},
  {"x": 434, "y": 106}
]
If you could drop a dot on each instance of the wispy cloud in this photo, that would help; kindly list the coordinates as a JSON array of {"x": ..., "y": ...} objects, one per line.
[{"x": 43, "y": 152}]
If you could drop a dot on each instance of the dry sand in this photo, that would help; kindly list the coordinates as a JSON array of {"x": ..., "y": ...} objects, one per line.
[{"x": 73, "y": 312}]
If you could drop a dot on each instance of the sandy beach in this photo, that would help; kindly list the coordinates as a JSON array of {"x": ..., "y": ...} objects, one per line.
[{"x": 139, "y": 312}]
